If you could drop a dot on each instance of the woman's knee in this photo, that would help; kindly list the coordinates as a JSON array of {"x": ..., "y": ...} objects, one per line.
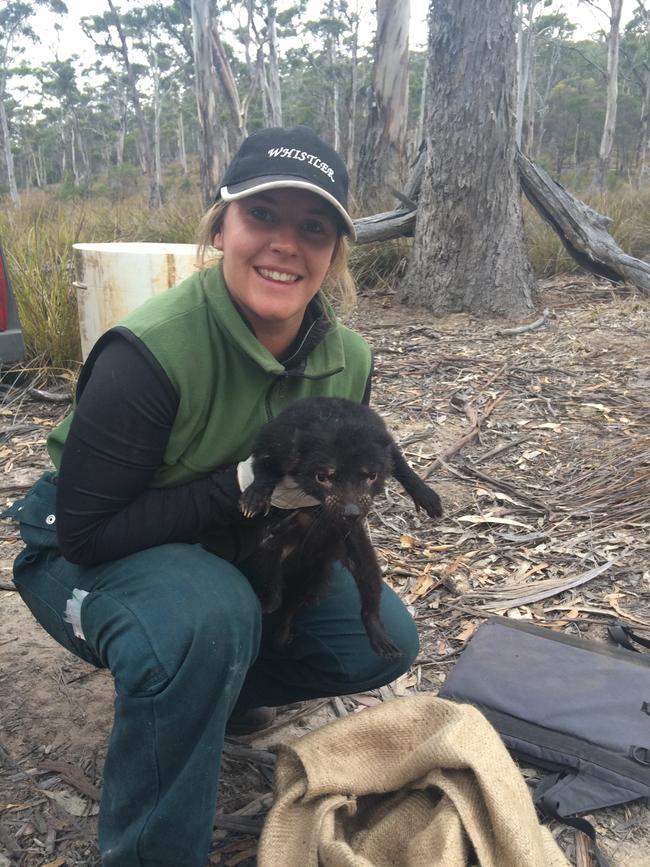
[{"x": 177, "y": 608}]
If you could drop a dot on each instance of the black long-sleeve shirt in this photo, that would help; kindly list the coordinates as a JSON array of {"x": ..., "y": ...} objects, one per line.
[{"x": 106, "y": 507}]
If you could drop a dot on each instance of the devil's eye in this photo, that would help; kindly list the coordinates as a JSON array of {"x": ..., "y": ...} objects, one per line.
[
  {"x": 371, "y": 476},
  {"x": 322, "y": 477}
]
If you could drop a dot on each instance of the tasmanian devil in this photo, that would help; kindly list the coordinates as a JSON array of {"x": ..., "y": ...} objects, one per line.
[{"x": 340, "y": 453}]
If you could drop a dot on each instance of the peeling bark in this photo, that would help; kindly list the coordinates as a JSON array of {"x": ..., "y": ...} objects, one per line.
[
  {"x": 599, "y": 181},
  {"x": 382, "y": 157},
  {"x": 210, "y": 145}
]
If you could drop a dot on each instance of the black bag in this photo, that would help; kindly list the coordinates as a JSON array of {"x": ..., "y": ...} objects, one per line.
[{"x": 578, "y": 708}]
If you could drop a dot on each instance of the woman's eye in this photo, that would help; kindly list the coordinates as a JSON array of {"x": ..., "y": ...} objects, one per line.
[
  {"x": 261, "y": 214},
  {"x": 313, "y": 227}
]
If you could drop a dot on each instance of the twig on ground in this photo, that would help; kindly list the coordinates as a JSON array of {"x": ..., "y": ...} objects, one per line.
[
  {"x": 467, "y": 438},
  {"x": 74, "y": 776},
  {"x": 49, "y": 396},
  {"x": 522, "y": 329}
]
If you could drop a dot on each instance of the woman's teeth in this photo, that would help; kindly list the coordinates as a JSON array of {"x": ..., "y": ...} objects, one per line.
[{"x": 278, "y": 275}]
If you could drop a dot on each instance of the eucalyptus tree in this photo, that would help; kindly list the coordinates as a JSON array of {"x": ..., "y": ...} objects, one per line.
[
  {"x": 469, "y": 251},
  {"x": 58, "y": 81},
  {"x": 111, "y": 33},
  {"x": 552, "y": 40},
  {"x": 526, "y": 35},
  {"x": 637, "y": 47},
  {"x": 599, "y": 180},
  {"x": 382, "y": 156},
  {"x": 16, "y": 18}
]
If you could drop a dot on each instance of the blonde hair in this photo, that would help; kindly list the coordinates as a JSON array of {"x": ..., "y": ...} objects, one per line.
[{"x": 339, "y": 286}]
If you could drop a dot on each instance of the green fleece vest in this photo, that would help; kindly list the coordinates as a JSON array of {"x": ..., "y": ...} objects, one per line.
[{"x": 228, "y": 384}]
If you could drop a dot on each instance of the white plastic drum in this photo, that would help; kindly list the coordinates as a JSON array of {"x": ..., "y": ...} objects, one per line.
[{"x": 113, "y": 279}]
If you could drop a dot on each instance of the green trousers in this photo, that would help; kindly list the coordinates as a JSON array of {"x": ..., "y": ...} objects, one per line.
[{"x": 182, "y": 632}]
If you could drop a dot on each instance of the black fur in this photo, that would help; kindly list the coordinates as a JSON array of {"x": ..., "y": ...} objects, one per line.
[{"x": 341, "y": 453}]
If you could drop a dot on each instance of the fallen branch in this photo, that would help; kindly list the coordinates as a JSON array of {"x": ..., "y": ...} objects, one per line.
[
  {"x": 240, "y": 751},
  {"x": 582, "y": 230},
  {"x": 506, "y": 487},
  {"x": 243, "y": 824},
  {"x": 522, "y": 329},
  {"x": 507, "y": 599},
  {"x": 309, "y": 708},
  {"x": 74, "y": 776},
  {"x": 466, "y": 438},
  {"x": 49, "y": 396}
]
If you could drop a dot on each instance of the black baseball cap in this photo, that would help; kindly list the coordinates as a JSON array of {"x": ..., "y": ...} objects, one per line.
[{"x": 277, "y": 157}]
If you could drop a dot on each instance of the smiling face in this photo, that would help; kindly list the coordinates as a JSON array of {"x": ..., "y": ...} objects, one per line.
[{"x": 277, "y": 247}]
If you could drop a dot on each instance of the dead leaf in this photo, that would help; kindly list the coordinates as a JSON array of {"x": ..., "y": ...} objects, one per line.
[
  {"x": 367, "y": 700},
  {"x": 520, "y": 613},
  {"x": 407, "y": 541},
  {"x": 58, "y": 863},
  {"x": 468, "y": 630},
  {"x": 73, "y": 804},
  {"x": 403, "y": 684},
  {"x": 613, "y": 598},
  {"x": 423, "y": 585}
]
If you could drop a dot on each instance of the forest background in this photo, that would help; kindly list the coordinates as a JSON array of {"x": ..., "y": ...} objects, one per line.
[{"x": 78, "y": 126}]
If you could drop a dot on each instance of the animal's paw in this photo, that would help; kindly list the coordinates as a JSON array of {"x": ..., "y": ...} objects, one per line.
[
  {"x": 383, "y": 645},
  {"x": 270, "y": 598},
  {"x": 427, "y": 499},
  {"x": 254, "y": 502},
  {"x": 283, "y": 634}
]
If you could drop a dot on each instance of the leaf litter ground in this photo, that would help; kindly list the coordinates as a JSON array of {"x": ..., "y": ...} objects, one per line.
[{"x": 539, "y": 445}]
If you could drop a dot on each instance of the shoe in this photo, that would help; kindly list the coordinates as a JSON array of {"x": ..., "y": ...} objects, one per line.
[{"x": 254, "y": 720}]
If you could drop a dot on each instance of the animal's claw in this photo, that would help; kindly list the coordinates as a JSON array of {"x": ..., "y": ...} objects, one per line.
[
  {"x": 253, "y": 503},
  {"x": 429, "y": 501}
]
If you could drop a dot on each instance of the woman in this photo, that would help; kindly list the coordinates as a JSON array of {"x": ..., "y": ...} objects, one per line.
[{"x": 136, "y": 550}]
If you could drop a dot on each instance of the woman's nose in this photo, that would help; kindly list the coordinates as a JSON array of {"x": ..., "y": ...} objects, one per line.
[{"x": 284, "y": 240}]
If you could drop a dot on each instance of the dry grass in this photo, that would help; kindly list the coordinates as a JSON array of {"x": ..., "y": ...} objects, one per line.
[{"x": 38, "y": 238}]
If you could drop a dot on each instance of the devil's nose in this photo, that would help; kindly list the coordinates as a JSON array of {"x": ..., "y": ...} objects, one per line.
[{"x": 351, "y": 512}]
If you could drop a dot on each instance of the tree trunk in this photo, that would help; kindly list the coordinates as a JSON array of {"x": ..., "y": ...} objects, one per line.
[
  {"x": 182, "y": 154},
  {"x": 155, "y": 198},
  {"x": 6, "y": 143},
  {"x": 73, "y": 158},
  {"x": 642, "y": 141},
  {"x": 382, "y": 161},
  {"x": 206, "y": 100},
  {"x": 333, "y": 107},
  {"x": 528, "y": 134},
  {"x": 423, "y": 102},
  {"x": 275, "y": 93},
  {"x": 352, "y": 103},
  {"x": 37, "y": 173},
  {"x": 599, "y": 181},
  {"x": 157, "y": 108},
  {"x": 525, "y": 53},
  {"x": 237, "y": 111},
  {"x": 469, "y": 251}
]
